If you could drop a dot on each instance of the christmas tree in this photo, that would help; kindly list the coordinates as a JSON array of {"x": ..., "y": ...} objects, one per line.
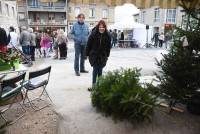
[{"x": 179, "y": 73}]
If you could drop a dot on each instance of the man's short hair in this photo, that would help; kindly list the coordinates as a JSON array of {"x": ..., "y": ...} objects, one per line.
[
  {"x": 81, "y": 14},
  {"x": 23, "y": 27},
  {"x": 12, "y": 29}
]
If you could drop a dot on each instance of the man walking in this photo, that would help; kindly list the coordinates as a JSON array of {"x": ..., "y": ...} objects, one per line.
[
  {"x": 80, "y": 32},
  {"x": 25, "y": 40}
]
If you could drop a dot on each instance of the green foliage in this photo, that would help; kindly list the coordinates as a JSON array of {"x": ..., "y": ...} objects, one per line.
[
  {"x": 5, "y": 57},
  {"x": 179, "y": 74},
  {"x": 8, "y": 59},
  {"x": 120, "y": 95}
]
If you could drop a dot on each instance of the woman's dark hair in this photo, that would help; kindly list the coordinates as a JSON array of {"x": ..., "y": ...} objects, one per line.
[
  {"x": 102, "y": 22},
  {"x": 12, "y": 29}
]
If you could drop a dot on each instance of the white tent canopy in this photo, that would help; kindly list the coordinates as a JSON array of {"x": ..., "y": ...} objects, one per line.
[
  {"x": 139, "y": 30},
  {"x": 126, "y": 24}
]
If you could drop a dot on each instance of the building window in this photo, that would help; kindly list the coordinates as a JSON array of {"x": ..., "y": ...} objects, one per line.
[
  {"x": 0, "y": 8},
  {"x": 105, "y": 13},
  {"x": 171, "y": 16},
  {"x": 92, "y": 13},
  {"x": 34, "y": 3},
  {"x": 7, "y": 10},
  {"x": 77, "y": 11},
  {"x": 21, "y": 16},
  {"x": 91, "y": 24},
  {"x": 70, "y": 26},
  {"x": 13, "y": 11},
  {"x": 156, "y": 15},
  {"x": 70, "y": 9},
  {"x": 50, "y": 4},
  {"x": 51, "y": 16},
  {"x": 143, "y": 16}
]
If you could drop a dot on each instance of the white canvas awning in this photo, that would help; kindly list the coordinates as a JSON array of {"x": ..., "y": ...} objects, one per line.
[{"x": 126, "y": 24}]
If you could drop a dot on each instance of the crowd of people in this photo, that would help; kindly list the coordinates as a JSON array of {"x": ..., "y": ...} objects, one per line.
[
  {"x": 34, "y": 43},
  {"x": 117, "y": 38}
]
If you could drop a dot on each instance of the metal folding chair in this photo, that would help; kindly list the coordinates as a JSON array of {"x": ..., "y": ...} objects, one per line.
[
  {"x": 32, "y": 85},
  {"x": 10, "y": 89}
]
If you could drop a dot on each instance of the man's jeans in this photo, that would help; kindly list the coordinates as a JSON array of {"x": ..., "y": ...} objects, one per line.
[
  {"x": 79, "y": 52},
  {"x": 97, "y": 72},
  {"x": 26, "y": 50}
]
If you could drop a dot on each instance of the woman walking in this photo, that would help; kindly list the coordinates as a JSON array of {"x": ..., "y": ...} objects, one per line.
[
  {"x": 45, "y": 44},
  {"x": 62, "y": 44},
  {"x": 98, "y": 49}
]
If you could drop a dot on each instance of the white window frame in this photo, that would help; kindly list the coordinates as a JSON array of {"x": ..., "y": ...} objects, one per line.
[
  {"x": 157, "y": 15},
  {"x": 171, "y": 16},
  {"x": 21, "y": 15},
  {"x": 92, "y": 13},
  {"x": 34, "y": 3},
  {"x": 7, "y": 10},
  {"x": 69, "y": 9},
  {"x": 105, "y": 13},
  {"x": 13, "y": 11},
  {"x": 50, "y": 4},
  {"x": 77, "y": 11},
  {"x": 1, "y": 8}
]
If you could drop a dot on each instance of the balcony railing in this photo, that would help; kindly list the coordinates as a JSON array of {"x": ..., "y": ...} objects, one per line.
[
  {"x": 47, "y": 23},
  {"x": 61, "y": 8}
]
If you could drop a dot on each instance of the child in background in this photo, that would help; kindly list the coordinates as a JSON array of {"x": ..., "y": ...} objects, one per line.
[{"x": 45, "y": 45}]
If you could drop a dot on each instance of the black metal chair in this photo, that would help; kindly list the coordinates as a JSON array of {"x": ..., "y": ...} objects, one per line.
[
  {"x": 10, "y": 89},
  {"x": 32, "y": 85}
]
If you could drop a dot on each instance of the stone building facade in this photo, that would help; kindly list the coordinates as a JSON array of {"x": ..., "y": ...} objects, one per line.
[
  {"x": 93, "y": 13},
  {"x": 8, "y": 14}
]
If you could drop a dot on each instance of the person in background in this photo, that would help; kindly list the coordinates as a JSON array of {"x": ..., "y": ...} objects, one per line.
[
  {"x": 110, "y": 32},
  {"x": 122, "y": 39},
  {"x": 55, "y": 45},
  {"x": 51, "y": 36},
  {"x": 12, "y": 39},
  {"x": 62, "y": 44},
  {"x": 156, "y": 39},
  {"x": 118, "y": 38},
  {"x": 98, "y": 49},
  {"x": 45, "y": 45},
  {"x": 167, "y": 39},
  {"x": 161, "y": 39},
  {"x": 114, "y": 37},
  {"x": 25, "y": 40},
  {"x": 38, "y": 47},
  {"x": 3, "y": 40},
  {"x": 32, "y": 44},
  {"x": 80, "y": 32}
]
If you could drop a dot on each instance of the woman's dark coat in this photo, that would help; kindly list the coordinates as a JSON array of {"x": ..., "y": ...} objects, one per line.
[{"x": 98, "y": 48}]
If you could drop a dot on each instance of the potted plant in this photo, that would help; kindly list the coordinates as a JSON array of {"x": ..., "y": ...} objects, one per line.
[{"x": 8, "y": 61}]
